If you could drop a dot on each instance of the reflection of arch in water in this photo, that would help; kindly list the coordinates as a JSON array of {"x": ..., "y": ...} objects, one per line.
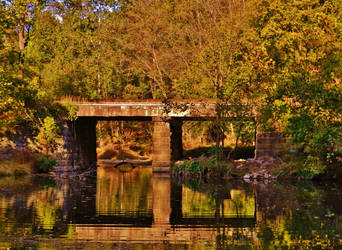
[
  {"x": 134, "y": 194},
  {"x": 138, "y": 193},
  {"x": 124, "y": 193}
]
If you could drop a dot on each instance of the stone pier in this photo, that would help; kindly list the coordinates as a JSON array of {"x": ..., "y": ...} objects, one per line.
[
  {"x": 161, "y": 145},
  {"x": 167, "y": 143}
]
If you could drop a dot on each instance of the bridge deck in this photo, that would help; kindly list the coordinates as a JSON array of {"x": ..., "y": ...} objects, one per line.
[{"x": 146, "y": 109}]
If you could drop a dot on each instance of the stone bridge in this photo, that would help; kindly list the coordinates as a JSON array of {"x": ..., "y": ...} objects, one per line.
[{"x": 167, "y": 118}]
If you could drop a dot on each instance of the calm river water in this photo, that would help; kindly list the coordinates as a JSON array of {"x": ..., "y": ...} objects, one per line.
[{"x": 138, "y": 210}]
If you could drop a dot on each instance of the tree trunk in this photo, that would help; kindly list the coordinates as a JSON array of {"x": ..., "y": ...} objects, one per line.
[
  {"x": 236, "y": 143},
  {"x": 21, "y": 36},
  {"x": 217, "y": 155},
  {"x": 21, "y": 43}
]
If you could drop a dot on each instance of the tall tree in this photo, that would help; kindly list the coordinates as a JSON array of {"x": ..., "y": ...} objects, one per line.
[{"x": 303, "y": 40}]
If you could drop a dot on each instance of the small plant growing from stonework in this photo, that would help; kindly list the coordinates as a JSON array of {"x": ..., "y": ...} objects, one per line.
[
  {"x": 48, "y": 133},
  {"x": 69, "y": 110}
]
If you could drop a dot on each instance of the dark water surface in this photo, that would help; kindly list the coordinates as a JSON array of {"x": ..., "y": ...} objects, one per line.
[{"x": 138, "y": 210}]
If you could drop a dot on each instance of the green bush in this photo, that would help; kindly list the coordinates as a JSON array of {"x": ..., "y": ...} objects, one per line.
[
  {"x": 48, "y": 132},
  {"x": 313, "y": 167},
  {"x": 44, "y": 165},
  {"x": 202, "y": 166}
]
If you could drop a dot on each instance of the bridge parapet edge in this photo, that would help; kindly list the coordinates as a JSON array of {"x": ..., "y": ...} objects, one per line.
[{"x": 159, "y": 109}]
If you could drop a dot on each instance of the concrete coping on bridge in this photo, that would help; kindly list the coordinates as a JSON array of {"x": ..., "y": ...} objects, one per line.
[
  {"x": 155, "y": 102},
  {"x": 181, "y": 101},
  {"x": 154, "y": 108},
  {"x": 143, "y": 104}
]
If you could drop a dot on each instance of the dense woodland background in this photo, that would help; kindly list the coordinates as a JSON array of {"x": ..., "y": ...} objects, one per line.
[{"x": 282, "y": 57}]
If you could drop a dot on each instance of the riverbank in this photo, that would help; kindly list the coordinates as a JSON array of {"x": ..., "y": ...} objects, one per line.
[
  {"x": 209, "y": 168},
  {"x": 14, "y": 162},
  {"x": 266, "y": 169},
  {"x": 201, "y": 163}
]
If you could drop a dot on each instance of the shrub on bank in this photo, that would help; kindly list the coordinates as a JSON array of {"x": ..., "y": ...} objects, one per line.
[
  {"x": 241, "y": 152},
  {"x": 202, "y": 167},
  {"x": 43, "y": 165}
]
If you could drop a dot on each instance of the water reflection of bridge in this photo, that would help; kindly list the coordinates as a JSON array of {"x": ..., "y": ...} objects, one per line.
[
  {"x": 160, "y": 233},
  {"x": 171, "y": 212}
]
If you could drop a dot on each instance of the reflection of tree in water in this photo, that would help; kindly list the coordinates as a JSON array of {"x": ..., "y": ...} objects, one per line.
[
  {"x": 241, "y": 204},
  {"x": 37, "y": 207},
  {"x": 238, "y": 203},
  {"x": 303, "y": 215},
  {"x": 7, "y": 215},
  {"x": 229, "y": 204},
  {"x": 222, "y": 203},
  {"x": 288, "y": 215},
  {"x": 47, "y": 204}
]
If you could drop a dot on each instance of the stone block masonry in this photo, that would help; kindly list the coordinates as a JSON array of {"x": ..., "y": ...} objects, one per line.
[
  {"x": 79, "y": 145},
  {"x": 268, "y": 144},
  {"x": 161, "y": 145},
  {"x": 167, "y": 143}
]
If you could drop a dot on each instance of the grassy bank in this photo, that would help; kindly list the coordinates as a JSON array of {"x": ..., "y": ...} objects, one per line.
[
  {"x": 16, "y": 163},
  {"x": 207, "y": 168},
  {"x": 20, "y": 163},
  {"x": 12, "y": 168},
  {"x": 201, "y": 163},
  {"x": 123, "y": 152},
  {"x": 242, "y": 152}
]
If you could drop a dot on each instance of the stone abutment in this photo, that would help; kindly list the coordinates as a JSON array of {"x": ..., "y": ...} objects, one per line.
[{"x": 268, "y": 144}]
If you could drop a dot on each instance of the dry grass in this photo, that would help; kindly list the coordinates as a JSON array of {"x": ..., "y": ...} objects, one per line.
[
  {"x": 16, "y": 163},
  {"x": 11, "y": 168},
  {"x": 107, "y": 153},
  {"x": 113, "y": 152},
  {"x": 73, "y": 99}
]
